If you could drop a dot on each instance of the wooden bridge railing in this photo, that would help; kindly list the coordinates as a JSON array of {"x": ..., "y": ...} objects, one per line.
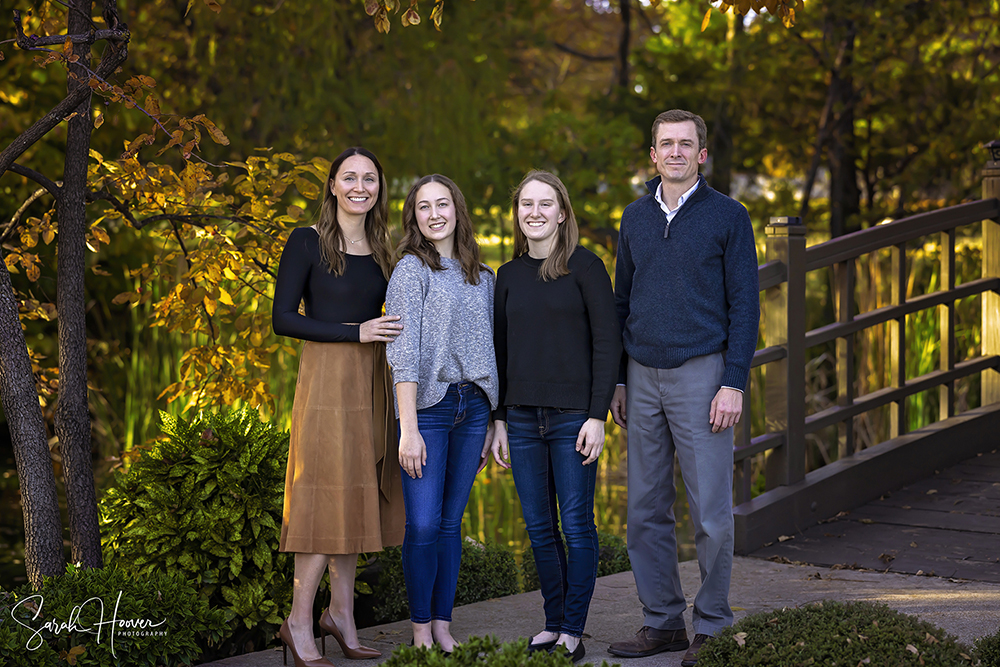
[{"x": 792, "y": 498}]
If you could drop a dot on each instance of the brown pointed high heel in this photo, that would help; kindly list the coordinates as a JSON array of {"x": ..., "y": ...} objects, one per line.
[
  {"x": 286, "y": 643},
  {"x": 327, "y": 625}
]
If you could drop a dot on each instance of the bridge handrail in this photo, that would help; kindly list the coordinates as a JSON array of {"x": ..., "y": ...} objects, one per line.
[{"x": 782, "y": 281}]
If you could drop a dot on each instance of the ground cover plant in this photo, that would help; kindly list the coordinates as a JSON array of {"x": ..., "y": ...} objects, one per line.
[
  {"x": 830, "y": 634},
  {"x": 161, "y": 621},
  {"x": 986, "y": 650},
  {"x": 205, "y": 501},
  {"x": 481, "y": 652}
]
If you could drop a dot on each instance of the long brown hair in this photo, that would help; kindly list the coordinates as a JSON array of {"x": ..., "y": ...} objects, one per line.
[
  {"x": 414, "y": 243},
  {"x": 331, "y": 237},
  {"x": 567, "y": 235}
]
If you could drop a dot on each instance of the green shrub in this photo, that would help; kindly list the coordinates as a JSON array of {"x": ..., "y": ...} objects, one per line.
[
  {"x": 833, "y": 633},
  {"x": 161, "y": 621},
  {"x": 206, "y": 501},
  {"x": 612, "y": 558},
  {"x": 487, "y": 571},
  {"x": 987, "y": 650},
  {"x": 479, "y": 652}
]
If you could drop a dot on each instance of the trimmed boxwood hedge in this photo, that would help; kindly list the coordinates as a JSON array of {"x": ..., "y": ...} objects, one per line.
[
  {"x": 480, "y": 652},
  {"x": 831, "y": 634}
]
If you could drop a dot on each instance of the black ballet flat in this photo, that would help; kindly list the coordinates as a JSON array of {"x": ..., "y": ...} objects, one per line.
[
  {"x": 542, "y": 646},
  {"x": 575, "y": 656}
]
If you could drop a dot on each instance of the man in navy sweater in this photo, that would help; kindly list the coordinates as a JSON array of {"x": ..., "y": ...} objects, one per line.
[{"x": 687, "y": 297}]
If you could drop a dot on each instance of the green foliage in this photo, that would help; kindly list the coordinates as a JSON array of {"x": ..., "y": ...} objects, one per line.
[
  {"x": 206, "y": 501},
  {"x": 833, "y": 633},
  {"x": 986, "y": 650},
  {"x": 161, "y": 620},
  {"x": 487, "y": 571},
  {"x": 612, "y": 558},
  {"x": 481, "y": 652}
]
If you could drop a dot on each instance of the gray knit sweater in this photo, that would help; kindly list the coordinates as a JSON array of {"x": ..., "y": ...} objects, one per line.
[{"x": 447, "y": 332}]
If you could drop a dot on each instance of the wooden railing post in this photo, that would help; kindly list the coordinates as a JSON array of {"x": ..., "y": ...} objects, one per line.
[
  {"x": 946, "y": 320},
  {"x": 991, "y": 268},
  {"x": 785, "y": 324},
  {"x": 844, "y": 282},
  {"x": 897, "y": 340}
]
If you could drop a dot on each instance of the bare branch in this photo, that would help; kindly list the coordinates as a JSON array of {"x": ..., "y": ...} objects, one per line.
[
  {"x": 113, "y": 57},
  {"x": 118, "y": 204},
  {"x": 16, "y": 218},
  {"x": 579, "y": 54},
  {"x": 187, "y": 260},
  {"x": 55, "y": 189},
  {"x": 28, "y": 43}
]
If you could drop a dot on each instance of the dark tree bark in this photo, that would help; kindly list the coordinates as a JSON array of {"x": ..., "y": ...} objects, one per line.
[
  {"x": 43, "y": 542},
  {"x": 624, "y": 44},
  {"x": 721, "y": 148},
  {"x": 845, "y": 196},
  {"x": 42, "y": 522},
  {"x": 72, "y": 422}
]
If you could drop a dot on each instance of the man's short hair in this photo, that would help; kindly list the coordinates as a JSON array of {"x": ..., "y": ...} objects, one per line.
[{"x": 681, "y": 116}]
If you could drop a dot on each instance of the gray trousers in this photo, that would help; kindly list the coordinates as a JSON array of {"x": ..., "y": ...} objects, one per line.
[{"x": 667, "y": 412}]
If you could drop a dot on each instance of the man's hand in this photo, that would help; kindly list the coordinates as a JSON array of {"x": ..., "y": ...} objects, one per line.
[
  {"x": 727, "y": 406},
  {"x": 618, "y": 406}
]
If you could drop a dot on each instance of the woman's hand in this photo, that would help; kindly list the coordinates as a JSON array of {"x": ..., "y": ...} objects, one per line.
[
  {"x": 484, "y": 455},
  {"x": 380, "y": 330},
  {"x": 412, "y": 453},
  {"x": 499, "y": 444},
  {"x": 590, "y": 442}
]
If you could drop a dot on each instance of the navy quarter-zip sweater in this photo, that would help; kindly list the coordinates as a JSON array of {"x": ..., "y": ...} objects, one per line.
[{"x": 694, "y": 292}]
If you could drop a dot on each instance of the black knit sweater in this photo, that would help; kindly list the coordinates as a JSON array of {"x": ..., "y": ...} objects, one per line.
[{"x": 558, "y": 343}]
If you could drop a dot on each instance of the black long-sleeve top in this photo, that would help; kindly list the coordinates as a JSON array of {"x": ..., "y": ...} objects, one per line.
[
  {"x": 558, "y": 343},
  {"x": 335, "y": 306}
]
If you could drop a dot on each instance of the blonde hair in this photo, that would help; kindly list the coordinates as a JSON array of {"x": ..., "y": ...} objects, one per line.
[
  {"x": 567, "y": 234},
  {"x": 331, "y": 236}
]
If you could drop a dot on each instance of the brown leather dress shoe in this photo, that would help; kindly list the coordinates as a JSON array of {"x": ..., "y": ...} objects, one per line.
[
  {"x": 690, "y": 658},
  {"x": 650, "y": 641}
]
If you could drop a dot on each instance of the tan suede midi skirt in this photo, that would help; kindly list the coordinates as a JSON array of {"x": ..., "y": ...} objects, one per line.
[{"x": 343, "y": 493}]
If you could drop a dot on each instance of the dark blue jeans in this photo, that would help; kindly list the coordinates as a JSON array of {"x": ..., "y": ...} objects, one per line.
[
  {"x": 453, "y": 431},
  {"x": 546, "y": 466}
]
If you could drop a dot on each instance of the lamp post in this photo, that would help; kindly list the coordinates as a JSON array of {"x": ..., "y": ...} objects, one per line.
[{"x": 994, "y": 148}]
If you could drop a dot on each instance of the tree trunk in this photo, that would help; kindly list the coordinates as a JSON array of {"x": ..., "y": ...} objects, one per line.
[
  {"x": 624, "y": 46},
  {"x": 721, "y": 148},
  {"x": 72, "y": 411},
  {"x": 845, "y": 197},
  {"x": 43, "y": 542}
]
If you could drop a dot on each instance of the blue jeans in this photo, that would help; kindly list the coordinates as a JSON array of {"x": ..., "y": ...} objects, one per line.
[
  {"x": 545, "y": 464},
  {"x": 453, "y": 430}
]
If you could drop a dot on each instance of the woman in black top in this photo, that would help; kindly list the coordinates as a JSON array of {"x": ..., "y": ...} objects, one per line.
[
  {"x": 558, "y": 347},
  {"x": 342, "y": 489}
]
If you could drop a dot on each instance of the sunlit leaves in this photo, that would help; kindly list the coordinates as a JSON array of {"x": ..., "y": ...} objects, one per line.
[
  {"x": 783, "y": 9},
  {"x": 227, "y": 260},
  {"x": 379, "y": 10}
]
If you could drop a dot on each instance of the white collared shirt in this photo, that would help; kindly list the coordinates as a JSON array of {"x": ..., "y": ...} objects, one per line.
[{"x": 680, "y": 200}]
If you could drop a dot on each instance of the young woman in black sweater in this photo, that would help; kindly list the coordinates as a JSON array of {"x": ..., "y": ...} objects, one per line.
[{"x": 558, "y": 347}]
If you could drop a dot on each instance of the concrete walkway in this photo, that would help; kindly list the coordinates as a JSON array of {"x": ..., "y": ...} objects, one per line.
[{"x": 967, "y": 609}]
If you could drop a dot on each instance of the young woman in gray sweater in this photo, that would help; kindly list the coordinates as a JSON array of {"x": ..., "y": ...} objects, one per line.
[{"x": 445, "y": 376}]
